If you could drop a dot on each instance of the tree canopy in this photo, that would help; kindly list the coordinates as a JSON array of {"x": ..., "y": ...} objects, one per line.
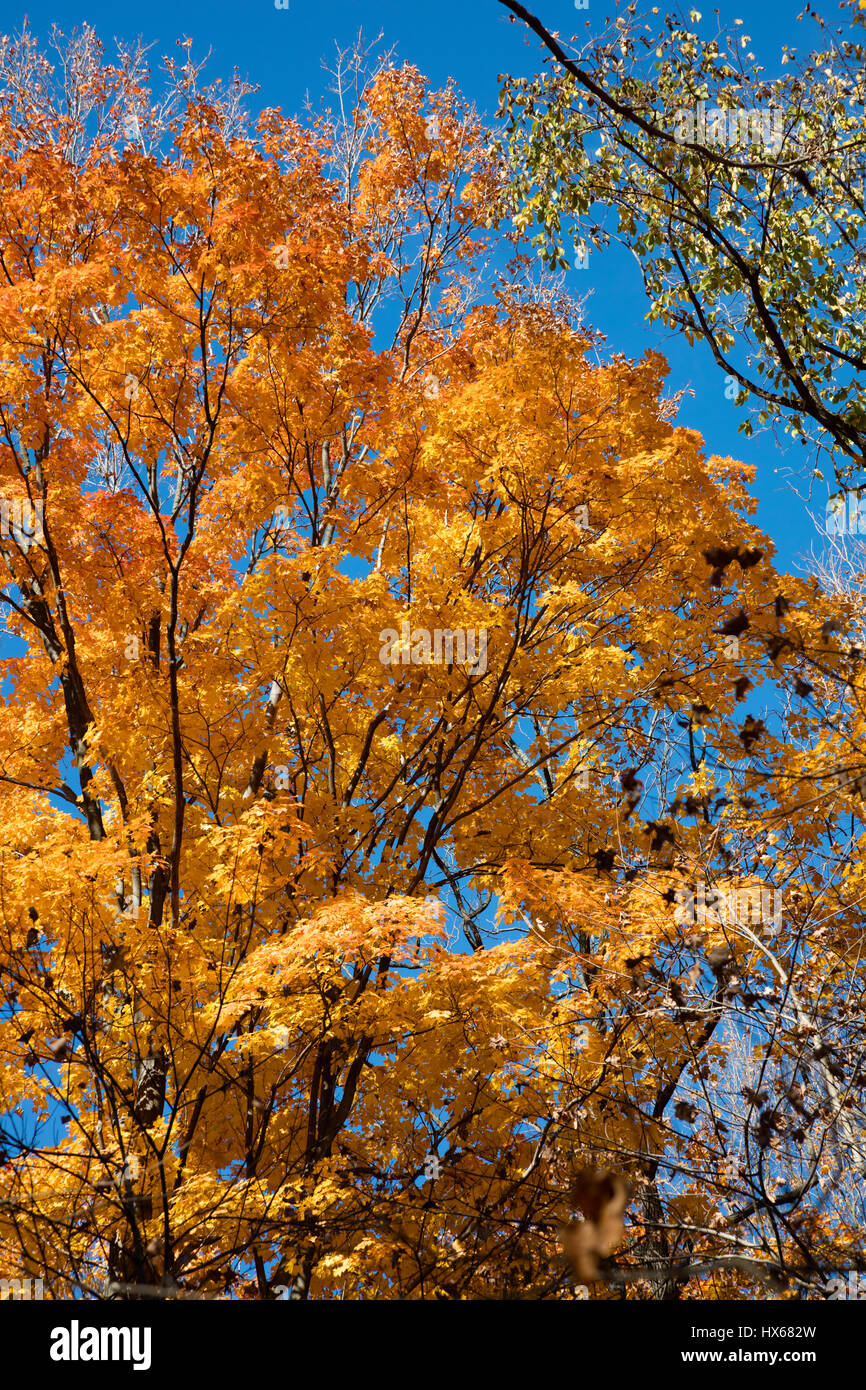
[
  {"x": 741, "y": 195},
  {"x": 431, "y": 824}
]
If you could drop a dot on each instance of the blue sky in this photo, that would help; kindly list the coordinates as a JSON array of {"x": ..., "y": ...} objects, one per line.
[{"x": 473, "y": 41}]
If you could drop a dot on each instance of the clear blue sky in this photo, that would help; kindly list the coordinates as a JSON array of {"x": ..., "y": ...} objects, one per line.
[{"x": 473, "y": 41}]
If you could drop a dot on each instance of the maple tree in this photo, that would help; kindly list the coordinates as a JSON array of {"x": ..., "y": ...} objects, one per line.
[{"x": 345, "y": 976}]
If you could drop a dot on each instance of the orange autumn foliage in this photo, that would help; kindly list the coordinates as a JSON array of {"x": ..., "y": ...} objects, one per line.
[{"x": 325, "y": 964}]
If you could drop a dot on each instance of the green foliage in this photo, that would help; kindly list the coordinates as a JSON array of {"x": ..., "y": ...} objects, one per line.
[{"x": 755, "y": 246}]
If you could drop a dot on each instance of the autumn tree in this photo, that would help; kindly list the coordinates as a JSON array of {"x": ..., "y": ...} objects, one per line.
[{"x": 378, "y": 753}]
